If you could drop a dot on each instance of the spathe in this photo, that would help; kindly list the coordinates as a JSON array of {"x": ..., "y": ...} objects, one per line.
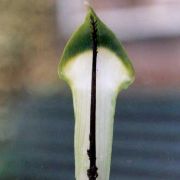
[{"x": 114, "y": 72}]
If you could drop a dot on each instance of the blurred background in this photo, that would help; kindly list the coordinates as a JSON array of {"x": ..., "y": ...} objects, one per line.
[{"x": 36, "y": 114}]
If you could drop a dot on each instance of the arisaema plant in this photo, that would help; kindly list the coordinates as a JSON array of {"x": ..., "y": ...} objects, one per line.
[{"x": 97, "y": 68}]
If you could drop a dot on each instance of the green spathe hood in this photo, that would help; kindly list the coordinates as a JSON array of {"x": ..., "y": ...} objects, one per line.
[{"x": 81, "y": 41}]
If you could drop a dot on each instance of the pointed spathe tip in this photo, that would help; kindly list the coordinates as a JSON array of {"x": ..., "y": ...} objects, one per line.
[
  {"x": 87, "y": 4},
  {"x": 88, "y": 7},
  {"x": 90, "y": 11}
]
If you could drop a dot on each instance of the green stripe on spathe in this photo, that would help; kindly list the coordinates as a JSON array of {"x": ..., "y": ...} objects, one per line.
[{"x": 81, "y": 40}]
